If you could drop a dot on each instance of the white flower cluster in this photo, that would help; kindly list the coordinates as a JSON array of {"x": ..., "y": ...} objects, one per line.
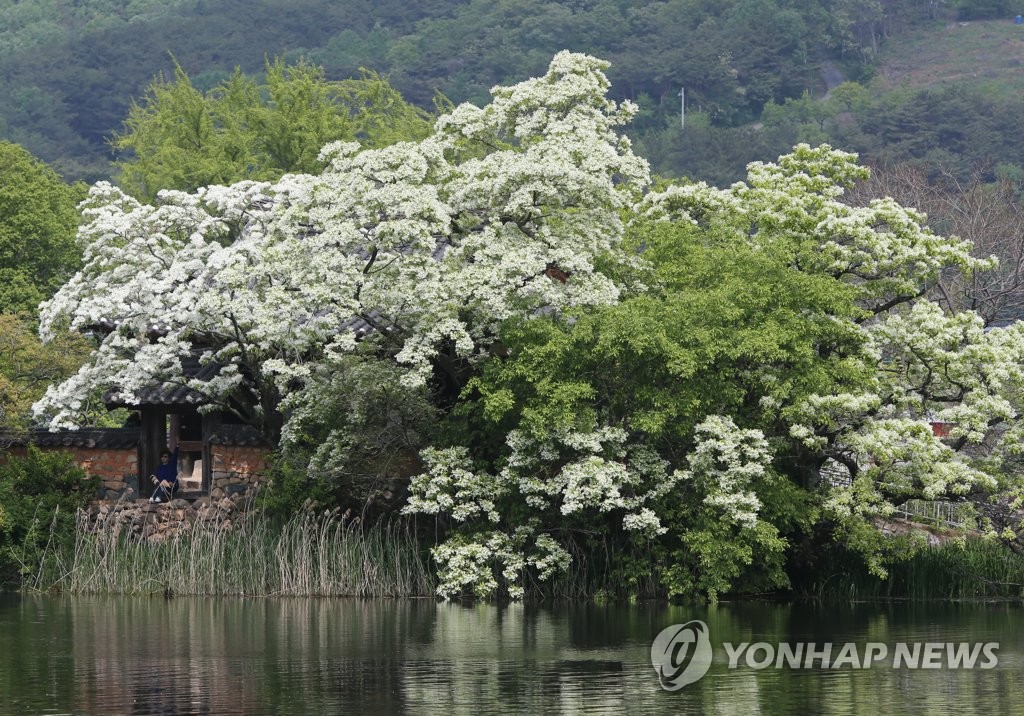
[
  {"x": 932, "y": 367},
  {"x": 449, "y": 486},
  {"x": 794, "y": 207},
  {"x": 472, "y": 562},
  {"x": 598, "y": 472},
  {"x": 724, "y": 466},
  {"x": 909, "y": 362}
]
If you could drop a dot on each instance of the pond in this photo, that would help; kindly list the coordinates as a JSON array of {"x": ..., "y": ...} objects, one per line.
[{"x": 107, "y": 655}]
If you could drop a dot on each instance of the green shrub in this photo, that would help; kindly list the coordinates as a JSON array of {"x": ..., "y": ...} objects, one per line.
[
  {"x": 291, "y": 489},
  {"x": 39, "y": 495}
]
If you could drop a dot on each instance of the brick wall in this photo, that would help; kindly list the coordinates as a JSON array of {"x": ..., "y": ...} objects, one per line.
[
  {"x": 236, "y": 469},
  {"x": 117, "y": 468}
]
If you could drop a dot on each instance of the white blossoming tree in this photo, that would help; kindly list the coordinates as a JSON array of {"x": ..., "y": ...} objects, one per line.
[
  {"x": 771, "y": 330},
  {"x": 415, "y": 253},
  {"x": 893, "y": 361}
]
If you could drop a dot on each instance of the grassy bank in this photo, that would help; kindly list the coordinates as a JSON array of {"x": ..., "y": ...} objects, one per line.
[
  {"x": 986, "y": 53},
  {"x": 311, "y": 555}
]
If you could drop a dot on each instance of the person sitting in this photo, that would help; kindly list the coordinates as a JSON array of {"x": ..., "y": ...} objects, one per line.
[{"x": 166, "y": 476}]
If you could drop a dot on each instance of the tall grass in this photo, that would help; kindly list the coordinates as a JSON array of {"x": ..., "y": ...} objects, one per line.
[
  {"x": 310, "y": 555},
  {"x": 602, "y": 570},
  {"x": 316, "y": 554},
  {"x": 972, "y": 569}
]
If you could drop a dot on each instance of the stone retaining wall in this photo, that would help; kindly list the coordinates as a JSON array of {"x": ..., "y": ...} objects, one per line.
[{"x": 151, "y": 521}]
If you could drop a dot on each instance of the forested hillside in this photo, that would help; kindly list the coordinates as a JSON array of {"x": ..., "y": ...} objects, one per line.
[{"x": 69, "y": 70}]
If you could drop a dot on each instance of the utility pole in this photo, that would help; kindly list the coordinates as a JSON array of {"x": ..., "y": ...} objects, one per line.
[{"x": 682, "y": 107}]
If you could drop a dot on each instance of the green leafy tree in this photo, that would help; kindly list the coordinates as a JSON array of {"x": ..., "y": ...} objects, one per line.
[
  {"x": 28, "y": 366},
  {"x": 770, "y": 375},
  {"x": 39, "y": 496},
  {"x": 725, "y": 325},
  {"x": 38, "y": 220},
  {"x": 179, "y": 137}
]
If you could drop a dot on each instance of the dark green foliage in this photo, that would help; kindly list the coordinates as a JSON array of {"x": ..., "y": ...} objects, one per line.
[
  {"x": 960, "y": 127},
  {"x": 39, "y": 495},
  {"x": 971, "y": 568},
  {"x": 290, "y": 488},
  {"x": 82, "y": 63},
  {"x": 347, "y": 446},
  {"x": 717, "y": 155},
  {"x": 984, "y": 9},
  {"x": 69, "y": 70}
]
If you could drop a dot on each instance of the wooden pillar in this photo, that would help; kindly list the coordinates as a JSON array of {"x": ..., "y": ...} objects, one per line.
[
  {"x": 211, "y": 421},
  {"x": 152, "y": 440}
]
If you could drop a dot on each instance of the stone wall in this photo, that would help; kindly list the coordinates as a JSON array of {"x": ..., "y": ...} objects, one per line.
[
  {"x": 155, "y": 522},
  {"x": 118, "y": 470},
  {"x": 236, "y": 474},
  {"x": 236, "y": 469}
]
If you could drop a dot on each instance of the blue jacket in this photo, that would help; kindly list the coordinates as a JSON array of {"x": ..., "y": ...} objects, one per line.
[{"x": 169, "y": 471}]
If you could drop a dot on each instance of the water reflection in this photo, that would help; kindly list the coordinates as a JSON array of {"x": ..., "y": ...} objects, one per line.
[{"x": 212, "y": 656}]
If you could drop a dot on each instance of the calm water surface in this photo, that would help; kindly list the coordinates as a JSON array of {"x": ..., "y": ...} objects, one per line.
[{"x": 92, "y": 655}]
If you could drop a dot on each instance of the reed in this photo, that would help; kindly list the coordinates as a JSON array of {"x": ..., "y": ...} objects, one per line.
[
  {"x": 317, "y": 554},
  {"x": 972, "y": 569},
  {"x": 310, "y": 555},
  {"x": 602, "y": 570}
]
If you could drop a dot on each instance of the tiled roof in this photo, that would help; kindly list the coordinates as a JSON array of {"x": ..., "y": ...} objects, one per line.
[
  {"x": 122, "y": 438},
  {"x": 238, "y": 436},
  {"x": 100, "y": 438},
  {"x": 168, "y": 393}
]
